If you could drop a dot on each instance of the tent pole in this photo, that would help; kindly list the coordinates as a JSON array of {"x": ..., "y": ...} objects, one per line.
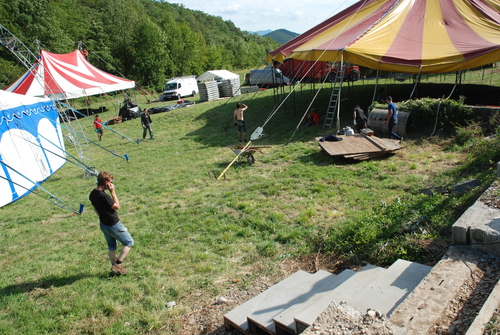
[
  {"x": 88, "y": 169},
  {"x": 376, "y": 85},
  {"x": 102, "y": 124},
  {"x": 57, "y": 201},
  {"x": 340, "y": 91},
  {"x": 416, "y": 81}
]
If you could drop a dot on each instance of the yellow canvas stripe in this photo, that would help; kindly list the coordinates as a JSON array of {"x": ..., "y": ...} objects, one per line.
[
  {"x": 436, "y": 41},
  {"x": 484, "y": 28},
  {"x": 380, "y": 39}
]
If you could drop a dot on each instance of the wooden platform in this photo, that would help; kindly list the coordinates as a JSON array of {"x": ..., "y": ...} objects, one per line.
[{"x": 360, "y": 147}]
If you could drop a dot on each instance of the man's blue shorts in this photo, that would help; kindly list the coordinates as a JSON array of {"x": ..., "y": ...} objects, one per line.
[{"x": 117, "y": 232}]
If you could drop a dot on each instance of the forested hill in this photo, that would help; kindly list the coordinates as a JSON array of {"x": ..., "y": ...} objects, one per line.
[
  {"x": 143, "y": 40},
  {"x": 281, "y": 35}
]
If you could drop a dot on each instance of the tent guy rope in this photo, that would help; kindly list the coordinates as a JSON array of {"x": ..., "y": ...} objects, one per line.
[{"x": 58, "y": 202}]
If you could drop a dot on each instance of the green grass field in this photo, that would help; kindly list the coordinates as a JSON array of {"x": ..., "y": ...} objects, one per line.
[{"x": 197, "y": 237}]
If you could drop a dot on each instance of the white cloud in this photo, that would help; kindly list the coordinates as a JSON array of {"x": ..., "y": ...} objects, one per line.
[{"x": 231, "y": 9}]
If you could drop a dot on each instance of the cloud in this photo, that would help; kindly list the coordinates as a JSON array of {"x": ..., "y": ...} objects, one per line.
[{"x": 231, "y": 9}]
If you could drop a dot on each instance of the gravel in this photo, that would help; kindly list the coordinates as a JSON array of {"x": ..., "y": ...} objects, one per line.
[{"x": 341, "y": 319}]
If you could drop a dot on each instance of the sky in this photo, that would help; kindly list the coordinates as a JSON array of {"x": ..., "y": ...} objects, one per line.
[{"x": 297, "y": 16}]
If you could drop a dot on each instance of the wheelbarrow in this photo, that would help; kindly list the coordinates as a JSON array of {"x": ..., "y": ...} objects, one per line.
[
  {"x": 242, "y": 152},
  {"x": 247, "y": 153}
]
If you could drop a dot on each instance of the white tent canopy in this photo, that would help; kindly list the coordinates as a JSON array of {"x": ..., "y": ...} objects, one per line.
[
  {"x": 217, "y": 75},
  {"x": 67, "y": 76}
]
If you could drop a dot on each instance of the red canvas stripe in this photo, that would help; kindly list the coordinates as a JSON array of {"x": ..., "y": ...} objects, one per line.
[
  {"x": 68, "y": 73},
  {"x": 288, "y": 47},
  {"x": 81, "y": 79},
  {"x": 489, "y": 13},
  {"x": 466, "y": 40},
  {"x": 24, "y": 86},
  {"x": 351, "y": 35},
  {"x": 69, "y": 58},
  {"x": 407, "y": 46},
  {"x": 102, "y": 76}
]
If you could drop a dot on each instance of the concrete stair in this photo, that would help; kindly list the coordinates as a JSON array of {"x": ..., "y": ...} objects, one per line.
[
  {"x": 413, "y": 296},
  {"x": 293, "y": 304},
  {"x": 428, "y": 302}
]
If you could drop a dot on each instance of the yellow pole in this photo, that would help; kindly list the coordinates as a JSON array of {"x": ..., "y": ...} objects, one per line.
[{"x": 234, "y": 160}]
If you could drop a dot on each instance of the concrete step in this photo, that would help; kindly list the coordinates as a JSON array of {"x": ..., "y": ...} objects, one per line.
[
  {"x": 478, "y": 227},
  {"x": 428, "y": 302},
  {"x": 293, "y": 304},
  {"x": 390, "y": 288},
  {"x": 256, "y": 315},
  {"x": 284, "y": 323},
  {"x": 261, "y": 321},
  {"x": 341, "y": 293}
]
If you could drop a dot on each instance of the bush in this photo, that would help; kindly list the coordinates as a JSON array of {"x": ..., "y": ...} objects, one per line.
[{"x": 424, "y": 112}]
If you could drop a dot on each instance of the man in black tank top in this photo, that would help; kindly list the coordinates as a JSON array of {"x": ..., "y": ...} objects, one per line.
[{"x": 105, "y": 206}]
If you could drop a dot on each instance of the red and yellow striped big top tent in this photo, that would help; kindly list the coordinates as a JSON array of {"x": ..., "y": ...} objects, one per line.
[{"x": 408, "y": 36}]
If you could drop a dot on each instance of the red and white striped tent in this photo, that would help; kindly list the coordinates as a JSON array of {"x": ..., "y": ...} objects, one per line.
[
  {"x": 66, "y": 76},
  {"x": 407, "y": 36}
]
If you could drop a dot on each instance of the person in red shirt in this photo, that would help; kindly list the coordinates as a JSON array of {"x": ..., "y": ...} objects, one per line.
[
  {"x": 313, "y": 118},
  {"x": 99, "y": 129}
]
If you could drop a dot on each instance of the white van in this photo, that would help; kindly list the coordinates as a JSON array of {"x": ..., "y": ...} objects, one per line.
[
  {"x": 268, "y": 77},
  {"x": 179, "y": 87}
]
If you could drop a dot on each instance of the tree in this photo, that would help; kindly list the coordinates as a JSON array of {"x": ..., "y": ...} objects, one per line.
[{"x": 151, "y": 58}]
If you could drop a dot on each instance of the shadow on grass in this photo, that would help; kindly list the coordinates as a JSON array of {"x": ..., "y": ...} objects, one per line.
[
  {"x": 219, "y": 129},
  {"x": 44, "y": 284}
]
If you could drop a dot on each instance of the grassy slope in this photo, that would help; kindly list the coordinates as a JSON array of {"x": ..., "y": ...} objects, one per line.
[{"x": 195, "y": 237}]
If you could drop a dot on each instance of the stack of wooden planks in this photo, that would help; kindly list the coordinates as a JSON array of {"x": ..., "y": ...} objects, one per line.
[{"x": 360, "y": 146}]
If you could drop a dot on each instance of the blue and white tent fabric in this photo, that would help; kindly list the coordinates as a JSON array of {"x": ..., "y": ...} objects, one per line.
[{"x": 31, "y": 144}]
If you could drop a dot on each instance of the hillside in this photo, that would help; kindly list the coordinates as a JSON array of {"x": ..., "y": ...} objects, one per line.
[
  {"x": 143, "y": 40},
  {"x": 281, "y": 35}
]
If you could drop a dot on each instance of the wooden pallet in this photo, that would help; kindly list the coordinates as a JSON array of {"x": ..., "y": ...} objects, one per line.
[{"x": 360, "y": 146}]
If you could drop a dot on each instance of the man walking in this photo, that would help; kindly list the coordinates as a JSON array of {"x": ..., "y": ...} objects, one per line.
[
  {"x": 391, "y": 118},
  {"x": 146, "y": 125},
  {"x": 105, "y": 206}
]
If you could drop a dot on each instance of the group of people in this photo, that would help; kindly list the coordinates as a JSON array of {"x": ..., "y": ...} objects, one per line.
[
  {"x": 359, "y": 117},
  {"x": 106, "y": 205},
  {"x": 146, "y": 124},
  {"x": 391, "y": 118}
]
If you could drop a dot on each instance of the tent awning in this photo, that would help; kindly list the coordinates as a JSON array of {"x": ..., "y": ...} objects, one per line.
[
  {"x": 66, "y": 76},
  {"x": 409, "y": 36},
  {"x": 216, "y": 74}
]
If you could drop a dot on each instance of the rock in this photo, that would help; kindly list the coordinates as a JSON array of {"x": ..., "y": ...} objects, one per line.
[{"x": 221, "y": 300}]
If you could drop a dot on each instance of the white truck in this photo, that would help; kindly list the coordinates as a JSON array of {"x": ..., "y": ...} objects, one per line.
[
  {"x": 268, "y": 77},
  {"x": 179, "y": 87}
]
